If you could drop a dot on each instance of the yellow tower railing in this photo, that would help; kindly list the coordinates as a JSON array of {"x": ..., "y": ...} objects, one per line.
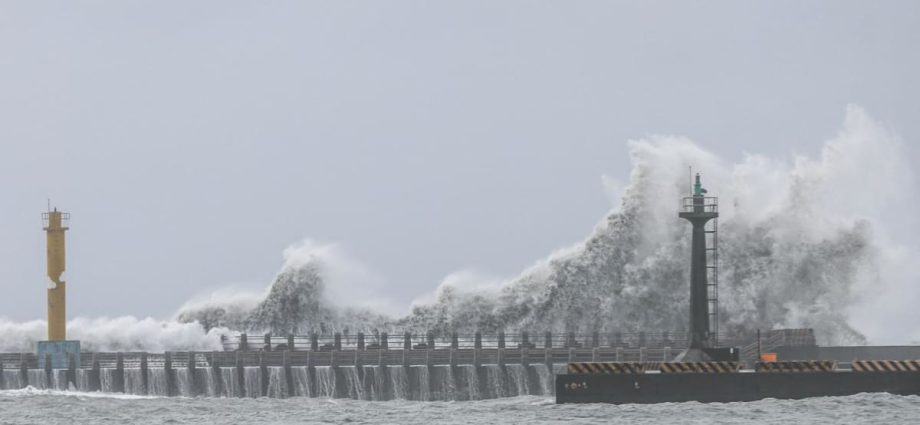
[{"x": 55, "y": 226}]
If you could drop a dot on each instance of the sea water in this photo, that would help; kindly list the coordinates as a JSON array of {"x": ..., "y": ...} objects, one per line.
[{"x": 34, "y": 406}]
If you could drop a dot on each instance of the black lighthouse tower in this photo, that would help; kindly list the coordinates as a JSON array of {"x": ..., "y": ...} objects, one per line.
[{"x": 699, "y": 209}]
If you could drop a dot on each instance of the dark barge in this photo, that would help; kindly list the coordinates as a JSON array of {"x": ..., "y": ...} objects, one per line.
[{"x": 895, "y": 377}]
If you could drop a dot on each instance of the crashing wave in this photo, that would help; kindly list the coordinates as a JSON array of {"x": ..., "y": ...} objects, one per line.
[
  {"x": 296, "y": 303},
  {"x": 796, "y": 242}
]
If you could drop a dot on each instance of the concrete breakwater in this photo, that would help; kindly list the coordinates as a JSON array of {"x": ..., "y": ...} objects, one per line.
[
  {"x": 366, "y": 375},
  {"x": 422, "y": 383}
]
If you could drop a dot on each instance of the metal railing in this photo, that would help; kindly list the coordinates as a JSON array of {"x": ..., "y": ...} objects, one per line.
[
  {"x": 772, "y": 339},
  {"x": 417, "y": 341},
  {"x": 450, "y": 349},
  {"x": 696, "y": 204},
  {"x": 216, "y": 359}
]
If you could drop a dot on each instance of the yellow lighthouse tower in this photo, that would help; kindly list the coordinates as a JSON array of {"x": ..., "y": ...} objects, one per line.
[
  {"x": 57, "y": 348},
  {"x": 55, "y": 226}
]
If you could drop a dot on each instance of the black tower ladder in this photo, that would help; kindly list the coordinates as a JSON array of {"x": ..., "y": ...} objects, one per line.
[{"x": 712, "y": 266}]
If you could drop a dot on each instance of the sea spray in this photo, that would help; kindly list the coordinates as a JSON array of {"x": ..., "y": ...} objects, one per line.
[
  {"x": 298, "y": 300},
  {"x": 495, "y": 381},
  {"x": 472, "y": 381},
  {"x": 183, "y": 382},
  {"x": 354, "y": 386},
  {"x": 59, "y": 379},
  {"x": 38, "y": 378},
  {"x": 157, "y": 382},
  {"x": 206, "y": 381},
  {"x": 325, "y": 381},
  {"x": 300, "y": 379},
  {"x": 115, "y": 334},
  {"x": 107, "y": 379},
  {"x": 444, "y": 383},
  {"x": 252, "y": 381},
  {"x": 422, "y": 383},
  {"x": 134, "y": 383},
  {"x": 375, "y": 382},
  {"x": 83, "y": 380},
  {"x": 798, "y": 241},
  {"x": 277, "y": 388},
  {"x": 230, "y": 385},
  {"x": 545, "y": 379},
  {"x": 399, "y": 382},
  {"x": 517, "y": 377}
]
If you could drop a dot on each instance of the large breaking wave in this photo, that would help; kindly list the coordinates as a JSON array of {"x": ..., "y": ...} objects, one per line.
[
  {"x": 803, "y": 243},
  {"x": 800, "y": 246}
]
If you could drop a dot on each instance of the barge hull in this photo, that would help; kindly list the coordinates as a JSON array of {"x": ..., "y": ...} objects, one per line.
[{"x": 728, "y": 387}]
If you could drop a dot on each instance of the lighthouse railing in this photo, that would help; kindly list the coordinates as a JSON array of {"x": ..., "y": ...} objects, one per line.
[{"x": 707, "y": 204}]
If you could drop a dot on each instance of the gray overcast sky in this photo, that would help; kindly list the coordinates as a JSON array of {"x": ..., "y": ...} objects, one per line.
[{"x": 193, "y": 141}]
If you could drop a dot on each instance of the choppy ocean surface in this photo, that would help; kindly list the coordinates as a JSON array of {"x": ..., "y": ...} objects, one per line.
[{"x": 30, "y": 406}]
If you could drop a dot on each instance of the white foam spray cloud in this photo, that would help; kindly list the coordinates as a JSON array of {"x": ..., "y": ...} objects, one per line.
[
  {"x": 805, "y": 243},
  {"x": 467, "y": 282},
  {"x": 124, "y": 333},
  {"x": 347, "y": 281},
  {"x": 320, "y": 288},
  {"x": 221, "y": 307}
]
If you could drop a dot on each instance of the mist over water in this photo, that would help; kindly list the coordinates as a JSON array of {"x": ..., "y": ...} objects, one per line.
[
  {"x": 804, "y": 242},
  {"x": 114, "y": 334}
]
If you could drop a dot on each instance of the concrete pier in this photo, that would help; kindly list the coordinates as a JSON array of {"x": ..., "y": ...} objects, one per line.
[
  {"x": 449, "y": 366},
  {"x": 420, "y": 374}
]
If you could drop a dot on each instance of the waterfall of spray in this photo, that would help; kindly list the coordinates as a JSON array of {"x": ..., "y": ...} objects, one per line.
[
  {"x": 399, "y": 382},
  {"x": 156, "y": 382},
  {"x": 495, "y": 381},
  {"x": 546, "y": 379},
  {"x": 252, "y": 381},
  {"x": 422, "y": 382},
  {"x": 59, "y": 379},
  {"x": 107, "y": 379},
  {"x": 374, "y": 383},
  {"x": 445, "y": 384},
  {"x": 37, "y": 378},
  {"x": 276, "y": 386},
  {"x": 82, "y": 380},
  {"x": 183, "y": 382},
  {"x": 472, "y": 381},
  {"x": 230, "y": 385},
  {"x": 325, "y": 381},
  {"x": 134, "y": 383},
  {"x": 12, "y": 380},
  {"x": 301, "y": 381},
  {"x": 353, "y": 384},
  {"x": 516, "y": 375},
  {"x": 205, "y": 381}
]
